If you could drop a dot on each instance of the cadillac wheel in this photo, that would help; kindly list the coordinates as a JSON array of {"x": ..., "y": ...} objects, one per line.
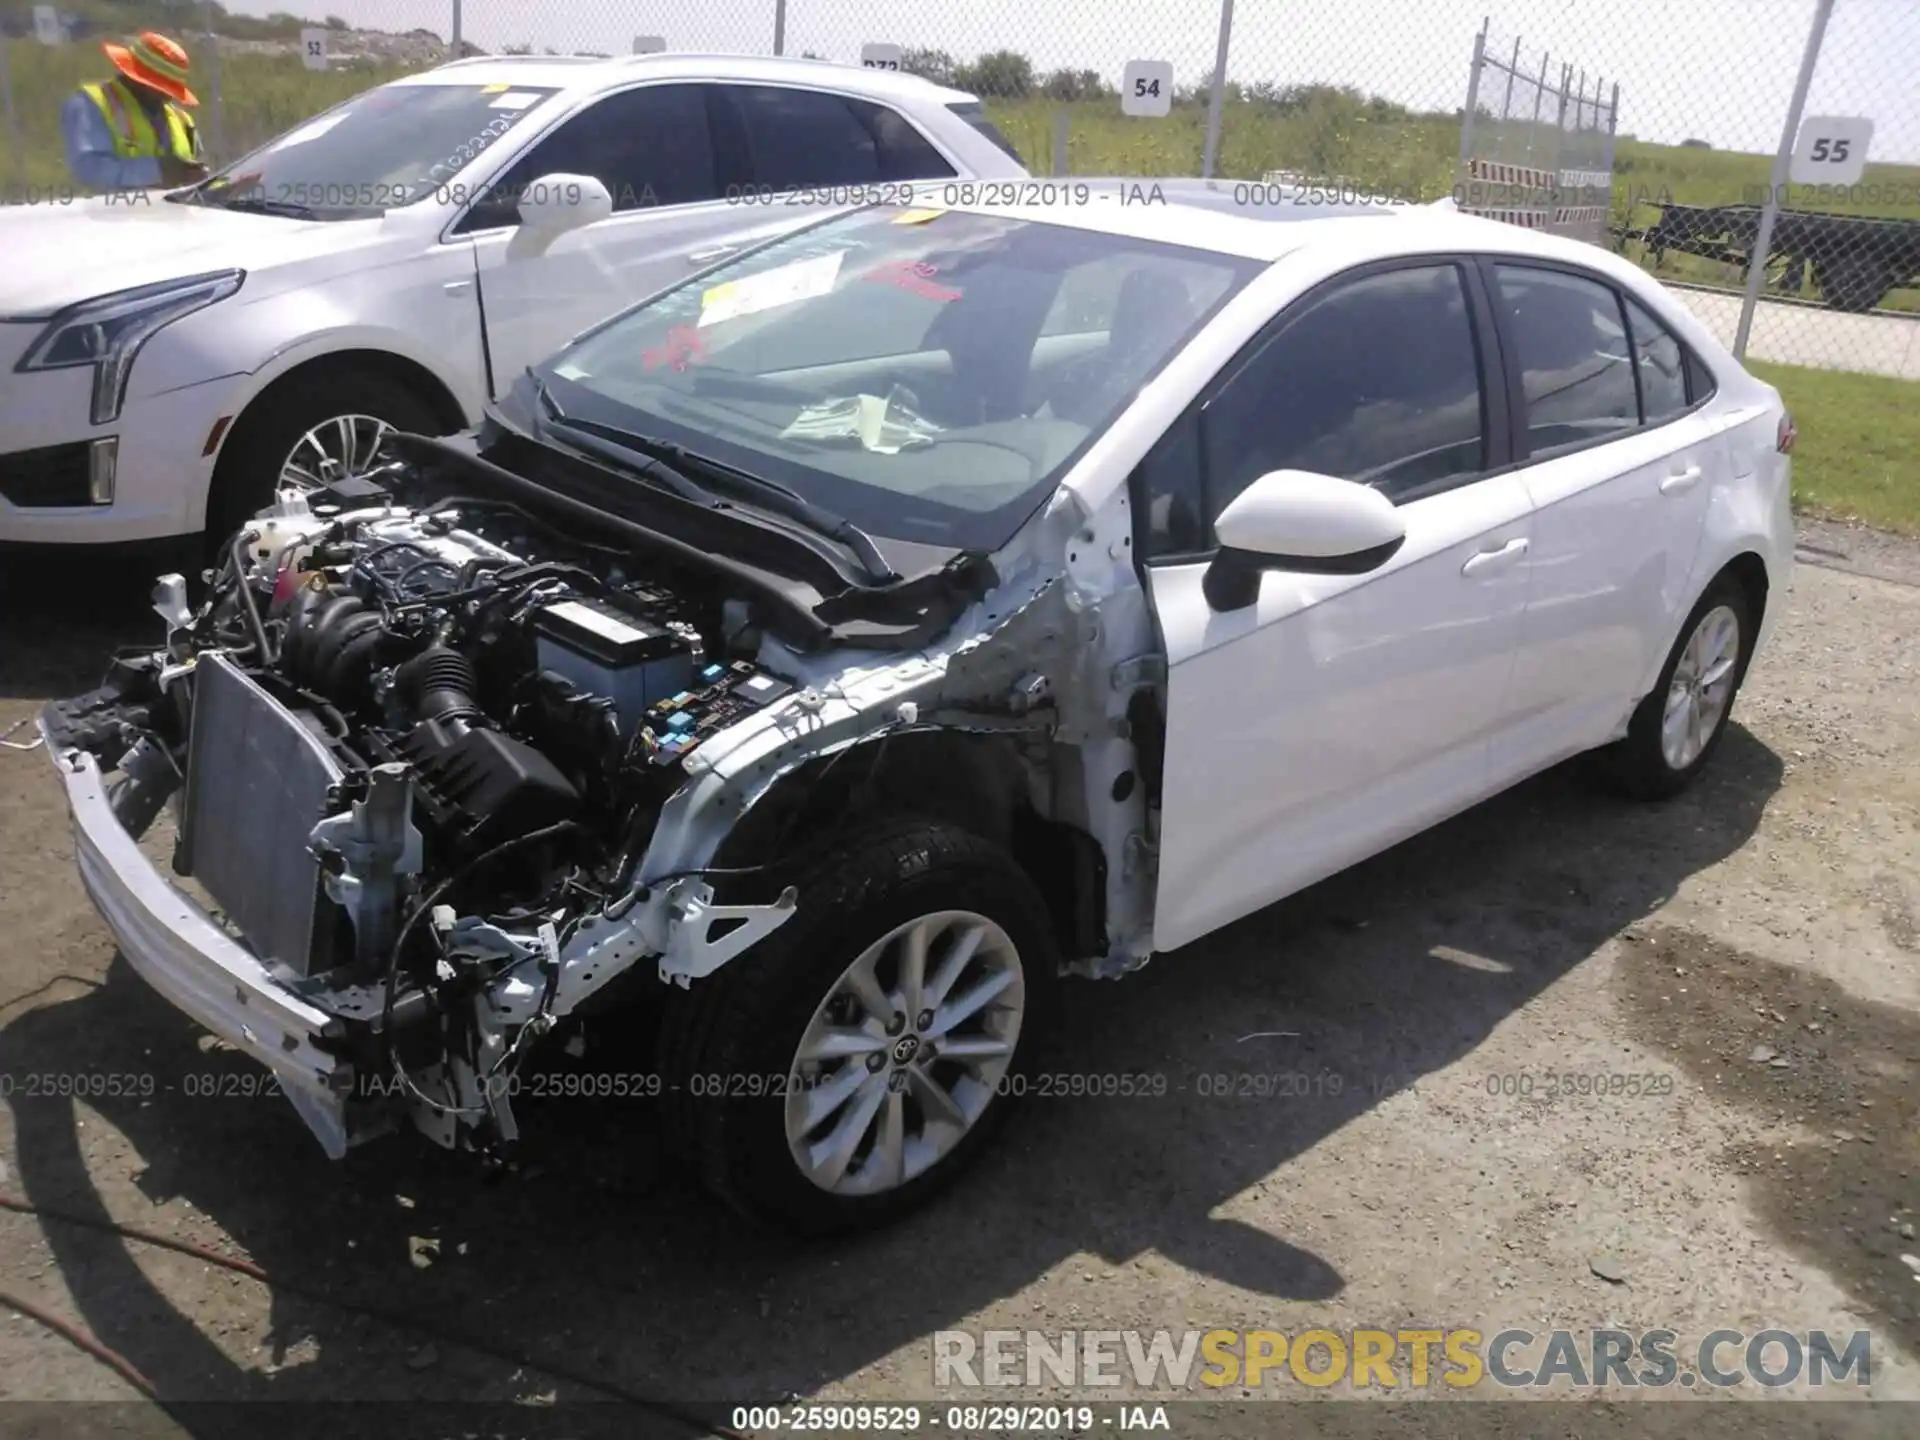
[
  {"x": 892, "y": 1018},
  {"x": 322, "y": 426}
]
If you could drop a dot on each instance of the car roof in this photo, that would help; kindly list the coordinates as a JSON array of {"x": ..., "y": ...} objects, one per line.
[
  {"x": 586, "y": 74},
  {"x": 1255, "y": 220}
]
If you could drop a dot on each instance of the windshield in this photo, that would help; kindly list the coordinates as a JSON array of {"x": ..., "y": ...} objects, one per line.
[
  {"x": 926, "y": 374},
  {"x": 382, "y": 149}
]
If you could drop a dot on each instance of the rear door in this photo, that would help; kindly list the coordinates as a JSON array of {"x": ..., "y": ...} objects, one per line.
[
  {"x": 1338, "y": 713},
  {"x": 1620, "y": 458}
]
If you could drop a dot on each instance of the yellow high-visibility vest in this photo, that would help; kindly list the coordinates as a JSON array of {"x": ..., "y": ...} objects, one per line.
[{"x": 133, "y": 133}]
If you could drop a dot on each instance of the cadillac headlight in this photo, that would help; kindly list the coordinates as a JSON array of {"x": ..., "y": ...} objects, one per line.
[{"x": 108, "y": 331}]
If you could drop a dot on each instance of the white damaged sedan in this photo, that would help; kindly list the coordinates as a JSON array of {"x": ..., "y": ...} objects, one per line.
[{"x": 921, "y": 608}]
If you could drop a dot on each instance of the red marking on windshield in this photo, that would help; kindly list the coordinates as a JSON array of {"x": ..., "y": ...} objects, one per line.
[
  {"x": 914, "y": 275},
  {"x": 684, "y": 345}
]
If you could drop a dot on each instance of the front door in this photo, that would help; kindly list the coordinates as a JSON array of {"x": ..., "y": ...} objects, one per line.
[
  {"x": 651, "y": 147},
  {"x": 1337, "y": 714}
]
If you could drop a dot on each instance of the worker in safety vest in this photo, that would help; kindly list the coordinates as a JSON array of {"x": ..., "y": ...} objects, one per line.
[{"x": 133, "y": 132}]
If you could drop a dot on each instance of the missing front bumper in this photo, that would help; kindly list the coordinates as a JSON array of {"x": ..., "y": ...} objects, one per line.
[{"x": 191, "y": 962}]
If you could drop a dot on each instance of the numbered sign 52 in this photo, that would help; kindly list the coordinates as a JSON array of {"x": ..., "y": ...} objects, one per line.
[
  {"x": 1831, "y": 150},
  {"x": 880, "y": 57},
  {"x": 1146, "y": 88},
  {"x": 313, "y": 49}
]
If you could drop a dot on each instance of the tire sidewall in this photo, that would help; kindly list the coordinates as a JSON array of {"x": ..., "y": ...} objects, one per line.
[
  {"x": 1651, "y": 753},
  {"x": 266, "y": 432},
  {"x": 793, "y": 972}
]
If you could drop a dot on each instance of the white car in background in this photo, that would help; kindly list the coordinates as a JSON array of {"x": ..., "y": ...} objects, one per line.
[{"x": 399, "y": 260}]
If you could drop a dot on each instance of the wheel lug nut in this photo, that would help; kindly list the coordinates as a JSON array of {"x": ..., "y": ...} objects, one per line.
[
  {"x": 897, "y": 1023},
  {"x": 925, "y": 1021},
  {"x": 876, "y": 1061}
]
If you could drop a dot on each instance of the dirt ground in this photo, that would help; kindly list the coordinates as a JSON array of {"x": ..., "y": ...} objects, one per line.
[{"x": 1750, "y": 951}]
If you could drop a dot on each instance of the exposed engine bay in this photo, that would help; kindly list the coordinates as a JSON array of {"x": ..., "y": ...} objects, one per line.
[{"x": 448, "y": 770}]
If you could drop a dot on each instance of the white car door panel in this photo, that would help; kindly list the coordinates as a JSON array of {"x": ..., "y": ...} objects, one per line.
[
  {"x": 1617, "y": 524},
  {"x": 1337, "y": 715},
  {"x": 535, "y": 304}
]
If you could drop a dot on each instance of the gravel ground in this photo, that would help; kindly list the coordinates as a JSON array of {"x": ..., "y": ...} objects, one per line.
[{"x": 1751, "y": 952}]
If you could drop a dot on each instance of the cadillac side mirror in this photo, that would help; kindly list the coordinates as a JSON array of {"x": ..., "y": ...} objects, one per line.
[
  {"x": 1299, "y": 521},
  {"x": 553, "y": 205}
]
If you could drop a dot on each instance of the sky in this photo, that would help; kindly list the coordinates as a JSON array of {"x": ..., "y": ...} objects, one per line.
[{"x": 1722, "y": 71}]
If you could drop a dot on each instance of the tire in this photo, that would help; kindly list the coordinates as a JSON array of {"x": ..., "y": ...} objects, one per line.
[
  {"x": 728, "y": 1046},
  {"x": 267, "y": 432},
  {"x": 1854, "y": 286},
  {"x": 1641, "y": 765}
]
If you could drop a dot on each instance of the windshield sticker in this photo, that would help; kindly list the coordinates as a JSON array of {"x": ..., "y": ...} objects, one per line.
[
  {"x": 917, "y": 217},
  {"x": 683, "y": 346},
  {"x": 915, "y": 276},
  {"x": 801, "y": 280},
  {"x": 514, "y": 100},
  {"x": 494, "y": 89}
]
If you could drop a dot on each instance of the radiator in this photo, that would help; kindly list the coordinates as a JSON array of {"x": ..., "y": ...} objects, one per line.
[{"x": 256, "y": 784}]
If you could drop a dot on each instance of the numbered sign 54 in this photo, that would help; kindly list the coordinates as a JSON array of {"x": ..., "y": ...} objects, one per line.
[
  {"x": 1146, "y": 88},
  {"x": 1832, "y": 150},
  {"x": 880, "y": 57},
  {"x": 313, "y": 49}
]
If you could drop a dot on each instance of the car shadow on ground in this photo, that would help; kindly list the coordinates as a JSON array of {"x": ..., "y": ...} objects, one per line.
[{"x": 599, "y": 1252}]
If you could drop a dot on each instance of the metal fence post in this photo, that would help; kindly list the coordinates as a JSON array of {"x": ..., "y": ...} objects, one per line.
[
  {"x": 453, "y": 40},
  {"x": 1212, "y": 150},
  {"x": 16, "y": 154},
  {"x": 1473, "y": 94},
  {"x": 216, "y": 152},
  {"x": 1613, "y": 124},
  {"x": 1539, "y": 94},
  {"x": 779, "y": 27},
  {"x": 1061, "y": 123},
  {"x": 1513, "y": 70},
  {"x": 1782, "y": 163}
]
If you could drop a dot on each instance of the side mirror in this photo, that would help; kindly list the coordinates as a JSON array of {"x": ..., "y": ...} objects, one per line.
[
  {"x": 1300, "y": 521},
  {"x": 553, "y": 205}
]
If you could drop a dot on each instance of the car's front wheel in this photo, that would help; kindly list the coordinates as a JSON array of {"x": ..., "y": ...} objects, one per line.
[
  {"x": 1679, "y": 724},
  {"x": 328, "y": 427},
  {"x": 856, "y": 1061}
]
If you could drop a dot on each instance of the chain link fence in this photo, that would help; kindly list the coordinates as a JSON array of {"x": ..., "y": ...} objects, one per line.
[{"x": 1763, "y": 157}]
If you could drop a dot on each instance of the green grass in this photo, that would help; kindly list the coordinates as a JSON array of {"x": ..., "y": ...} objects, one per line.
[{"x": 1858, "y": 453}]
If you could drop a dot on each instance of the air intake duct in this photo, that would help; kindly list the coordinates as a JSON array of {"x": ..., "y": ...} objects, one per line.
[{"x": 479, "y": 785}]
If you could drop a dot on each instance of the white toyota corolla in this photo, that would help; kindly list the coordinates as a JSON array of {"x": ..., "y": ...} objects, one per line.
[
  {"x": 165, "y": 359},
  {"x": 917, "y": 609}
]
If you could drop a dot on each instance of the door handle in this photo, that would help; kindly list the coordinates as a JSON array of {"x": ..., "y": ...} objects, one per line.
[
  {"x": 457, "y": 287},
  {"x": 1681, "y": 481},
  {"x": 701, "y": 257},
  {"x": 1488, "y": 561}
]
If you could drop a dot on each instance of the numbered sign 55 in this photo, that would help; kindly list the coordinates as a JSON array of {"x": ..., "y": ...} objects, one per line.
[
  {"x": 880, "y": 57},
  {"x": 1832, "y": 150},
  {"x": 313, "y": 49},
  {"x": 1146, "y": 88}
]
